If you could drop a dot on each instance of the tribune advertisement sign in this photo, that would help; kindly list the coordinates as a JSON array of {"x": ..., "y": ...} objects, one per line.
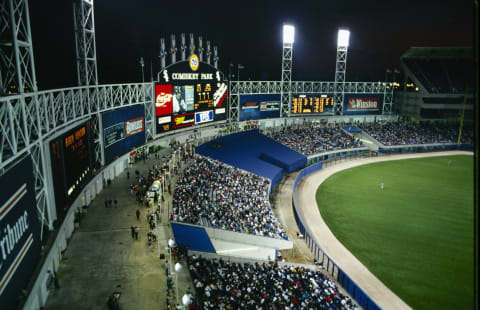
[
  {"x": 189, "y": 93},
  {"x": 19, "y": 231}
]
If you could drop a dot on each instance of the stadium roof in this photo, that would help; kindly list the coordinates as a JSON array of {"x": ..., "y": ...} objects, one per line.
[{"x": 415, "y": 52}]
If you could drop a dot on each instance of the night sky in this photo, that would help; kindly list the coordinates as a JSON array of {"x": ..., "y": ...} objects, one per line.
[{"x": 249, "y": 33}]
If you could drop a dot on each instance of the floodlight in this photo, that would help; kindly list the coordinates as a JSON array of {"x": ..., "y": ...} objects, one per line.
[
  {"x": 288, "y": 34},
  {"x": 186, "y": 300},
  {"x": 178, "y": 267},
  {"x": 343, "y": 37}
]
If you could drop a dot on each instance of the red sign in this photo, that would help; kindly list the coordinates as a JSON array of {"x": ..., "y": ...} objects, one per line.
[
  {"x": 363, "y": 104},
  {"x": 163, "y": 99}
]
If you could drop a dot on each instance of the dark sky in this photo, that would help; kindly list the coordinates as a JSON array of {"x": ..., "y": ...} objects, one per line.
[{"x": 249, "y": 33}]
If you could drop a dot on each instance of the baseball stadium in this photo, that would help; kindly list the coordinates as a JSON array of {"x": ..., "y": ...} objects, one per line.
[{"x": 200, "y": 190}]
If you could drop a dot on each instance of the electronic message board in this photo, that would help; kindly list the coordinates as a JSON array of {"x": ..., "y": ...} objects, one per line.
[
  {"x": 72, "y": 161},
  {"x": 312, "y": 104},
  {"x": 189, "y": 93}
]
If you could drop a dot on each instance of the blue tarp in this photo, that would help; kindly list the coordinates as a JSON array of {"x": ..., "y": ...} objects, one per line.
[
  {"x": 254, "y": 152},
  {"x": 351, "y": 129},
  {"x": 195, "y": 237}
]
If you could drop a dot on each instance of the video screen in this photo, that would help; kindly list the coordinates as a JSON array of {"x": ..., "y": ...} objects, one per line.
[{"x": 183, "y": 99}]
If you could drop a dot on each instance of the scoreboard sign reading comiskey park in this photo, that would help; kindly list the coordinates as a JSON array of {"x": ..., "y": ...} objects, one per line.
[{"x": 189, "y": 93}]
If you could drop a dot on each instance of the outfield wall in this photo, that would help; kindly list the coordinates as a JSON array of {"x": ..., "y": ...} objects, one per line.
[{"x": 329, "y": 264}]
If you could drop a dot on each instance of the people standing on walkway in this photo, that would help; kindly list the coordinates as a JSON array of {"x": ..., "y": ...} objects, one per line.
[
  {"x": 115, "y": 203},
  {"x": 136, "y": 233},
  {"x": 133, "y": 232},
  {"x": 138, "y": 214}
]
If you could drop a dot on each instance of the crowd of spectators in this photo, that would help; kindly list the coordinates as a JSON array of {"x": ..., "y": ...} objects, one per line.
[
  {"x": 314, "y": 140},
  {"x": 409, "y": 134},
  {"x": 212, "y": 193},
  {"x": 228, "y": 285}
]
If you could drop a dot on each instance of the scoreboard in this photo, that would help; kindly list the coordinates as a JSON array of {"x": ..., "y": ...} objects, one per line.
[
  {"x": 189, "y": 93},
  {"x": 72, "y": 161},
  {"x": 312, "y": 104}
]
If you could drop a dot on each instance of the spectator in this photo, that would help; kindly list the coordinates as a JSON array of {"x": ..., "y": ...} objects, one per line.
[
  {"x": 314, "y": 140},
  {"x": 211, "y": 193}
]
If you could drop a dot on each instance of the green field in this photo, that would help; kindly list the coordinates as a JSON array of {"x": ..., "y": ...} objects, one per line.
[{"x": 415, "y": 235}]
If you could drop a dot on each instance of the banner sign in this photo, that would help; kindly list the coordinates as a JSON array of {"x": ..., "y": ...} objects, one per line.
[
  {"x": 114, "y": 134},
  {"x": 203, "y": 117},
  {"x": 259, "y": 106},
  {"x": 363, "y": 104},
  {"x": 19, "y": 232},
  {"x": 183, "y": 120},
  {"x": 134, "y": 126},
  {"x": 163, "y": 99},
  {"x": 123, "y": 130}
]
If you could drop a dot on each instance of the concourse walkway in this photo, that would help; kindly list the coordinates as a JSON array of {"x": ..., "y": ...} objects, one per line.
[{"x": 102, "y": 257}]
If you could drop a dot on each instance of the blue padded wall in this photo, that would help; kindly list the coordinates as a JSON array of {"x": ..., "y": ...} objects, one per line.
[
  {"x": 254, "y": 152},
  {"x": 195, "y": 237}
]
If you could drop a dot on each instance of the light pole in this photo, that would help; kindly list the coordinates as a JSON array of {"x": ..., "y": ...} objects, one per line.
[
  {"x": 178, "y": 268},
  {"x": 142, "y": 64},
  {"x": 239, "y": 67},
  {"x": 343, "y": 40},
  {"x": 287, "y": 53}
]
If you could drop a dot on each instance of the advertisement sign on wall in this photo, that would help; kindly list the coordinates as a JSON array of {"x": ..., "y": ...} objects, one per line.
[
  {"x": 19, "y": 232},
  {"x": 183, "y": 120},
  {"x": 203, "y": 117},
  {"x": 259, "y": 106},
  {"x": 123, "y": 130},
  {"x": 163, "y": 99},
  {"x": 362, "y": 104}
]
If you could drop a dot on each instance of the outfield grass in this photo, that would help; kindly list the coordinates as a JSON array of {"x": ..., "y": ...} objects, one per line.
[{"x": 415, "y": 235}]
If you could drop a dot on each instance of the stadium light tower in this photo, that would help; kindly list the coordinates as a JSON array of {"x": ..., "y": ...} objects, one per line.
[
  {"x": 286, "y": 93},
  {"x": 341, "y": 65}
]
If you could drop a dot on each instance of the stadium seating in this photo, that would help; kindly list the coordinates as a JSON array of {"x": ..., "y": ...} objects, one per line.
[
  {"x": 222, "y": 284},
  {"x": 221, "y": 196},
  {"x": 314, "y": 140},
  {"x": 254, "y": 152},
  {"x": 442, "y": 75},
  {"x": 410, "y": 134}
]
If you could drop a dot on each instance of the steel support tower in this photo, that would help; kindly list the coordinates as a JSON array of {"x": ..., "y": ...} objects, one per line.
[
  {"x": 21, "y": 129},
  {"x": 85, "y": 48},
  {"x": 84, "y": 27},
  {"x": 286, "y": 94},
  {"x": 340, "y": 68}
]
